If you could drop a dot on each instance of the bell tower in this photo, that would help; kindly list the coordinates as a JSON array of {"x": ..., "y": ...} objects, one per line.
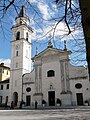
[{"x": 21, "y": 54}]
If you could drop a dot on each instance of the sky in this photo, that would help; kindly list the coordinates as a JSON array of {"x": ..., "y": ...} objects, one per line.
[{"x": 44, "y": 16}]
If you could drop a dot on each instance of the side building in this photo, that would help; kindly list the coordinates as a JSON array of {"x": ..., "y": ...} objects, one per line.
[
  {"x": 4, "y": 72},
  {"x": 4, "y": 91},
  {"x": 4, "y": 83}
]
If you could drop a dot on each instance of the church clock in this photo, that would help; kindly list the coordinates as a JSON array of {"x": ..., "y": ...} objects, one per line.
[{"x": 17, "y": 46}]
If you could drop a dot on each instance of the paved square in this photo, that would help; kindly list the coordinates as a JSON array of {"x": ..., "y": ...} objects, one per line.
[{"x": 58, "y": 114}]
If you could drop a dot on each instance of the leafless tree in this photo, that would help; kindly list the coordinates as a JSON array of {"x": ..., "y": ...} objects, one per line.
[
  {"x": 85, "y": 20},
  {"x": 68, "y": 13},
  {"x": 85, "y": 12}
]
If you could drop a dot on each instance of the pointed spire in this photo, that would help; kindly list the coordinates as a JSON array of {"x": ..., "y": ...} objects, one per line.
[{"x": 22, "y": 12}]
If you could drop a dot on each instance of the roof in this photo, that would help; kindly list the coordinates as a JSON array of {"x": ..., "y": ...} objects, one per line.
[
  {"x": 52, "y": 49},
  {"x": 14, "y": 26},
  {"x": 2, "y": 65},
  {"x": 5, "y": 81}
]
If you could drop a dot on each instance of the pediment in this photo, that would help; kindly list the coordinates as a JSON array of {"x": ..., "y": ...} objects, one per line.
[{"x": 50, "y": 52}]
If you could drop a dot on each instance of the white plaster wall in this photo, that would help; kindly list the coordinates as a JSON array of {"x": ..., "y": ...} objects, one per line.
[
  {"x": 50, "y": 60},
  {"x": 16, "y": 84},
  {"x": 26, "y": 56},
  {"x": 85, "y": 89},
  {"x": 76, "y": 75},
  {"x": 77, "y": 71},
  {"x": 31, "y": 93},
  {"x": 55, "y": 81},
  {"x": 29, "y": 81}
]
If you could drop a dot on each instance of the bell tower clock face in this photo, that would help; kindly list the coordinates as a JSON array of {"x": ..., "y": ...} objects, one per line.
[{"x": 17, "y": 46}]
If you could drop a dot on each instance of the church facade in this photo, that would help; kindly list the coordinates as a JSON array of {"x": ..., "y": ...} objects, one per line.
[{"x": 53, "y": 79}]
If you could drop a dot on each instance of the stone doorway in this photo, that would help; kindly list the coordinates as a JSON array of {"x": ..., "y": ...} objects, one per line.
[
  {"x": 28, "y": 100},
  {"x": 15, "y": 98},
  {"x": 79, "y": 97},
  {"x": 51, "y": 98}
]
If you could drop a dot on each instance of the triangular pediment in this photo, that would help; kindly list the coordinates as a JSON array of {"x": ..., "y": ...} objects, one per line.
[{"x": 49, "y": 52}]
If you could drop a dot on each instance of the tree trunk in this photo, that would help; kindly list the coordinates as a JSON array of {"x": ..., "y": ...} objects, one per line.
[{"x": 85, "y": 12}]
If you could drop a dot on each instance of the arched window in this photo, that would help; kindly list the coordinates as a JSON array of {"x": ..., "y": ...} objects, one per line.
[
  {"x": 16, "y": 65},
  {"x": 16, "y": 53},
  {"x": 20, "y": 22},
  {"x": 7, "y": 72},
  {"x": 7, "y": 87},
  {"x": 51, "y": 73},
  {"x": 18, "y": 36},
  {"x": 27, "y": 36},
  {"x": 6, "y": 99}
]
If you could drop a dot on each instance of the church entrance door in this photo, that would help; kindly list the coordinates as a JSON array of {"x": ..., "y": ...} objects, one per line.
[
  {"x": 15, "y": 98},
  {"x": 28, "y": 99},
  {"x": 51, "y": 98},
  {"x": 79, "y": 98}
]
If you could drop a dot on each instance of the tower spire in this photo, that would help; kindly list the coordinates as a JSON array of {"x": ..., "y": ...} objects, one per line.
[
  {"x": 22, "y": 12},
  {"x": 22, "y": 17}
]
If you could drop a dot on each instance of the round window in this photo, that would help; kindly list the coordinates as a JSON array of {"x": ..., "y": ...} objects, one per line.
[
  {"x": 78, "y": 85},
  {"x": 28, "y": 89}
]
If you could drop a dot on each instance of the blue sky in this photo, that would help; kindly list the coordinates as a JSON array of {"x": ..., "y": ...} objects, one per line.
[{"x": 44, "y": 15}]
